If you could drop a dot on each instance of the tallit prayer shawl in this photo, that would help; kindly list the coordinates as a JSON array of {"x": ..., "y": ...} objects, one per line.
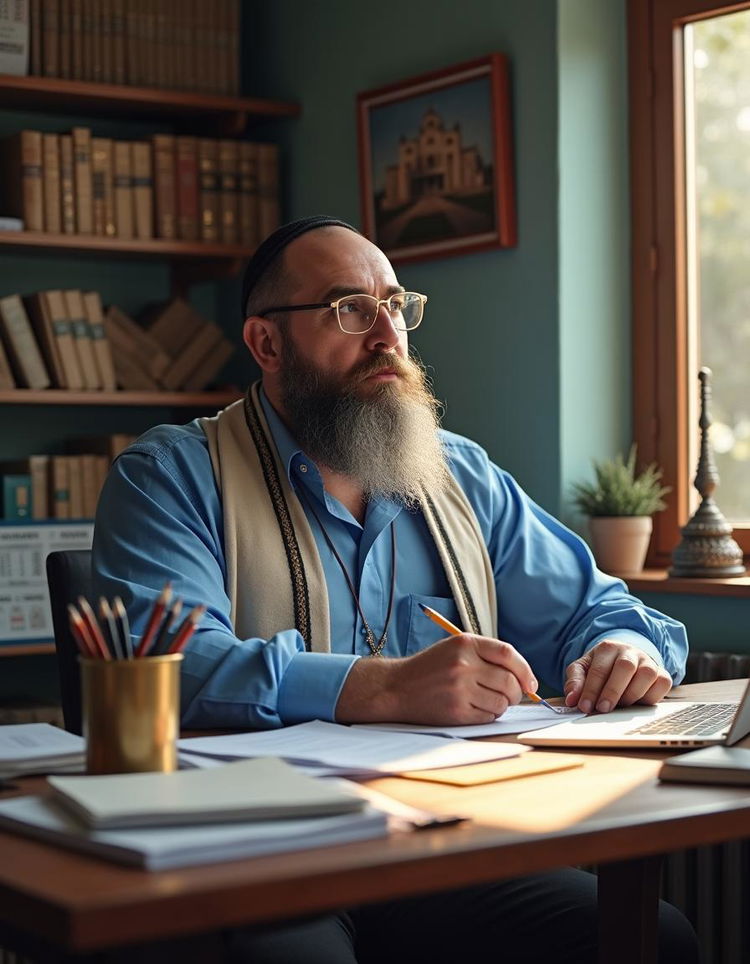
[{"x": 275, "y": 579}]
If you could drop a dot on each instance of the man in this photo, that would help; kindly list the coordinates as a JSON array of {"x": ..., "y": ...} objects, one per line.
[{"x": 314, "y": 518}]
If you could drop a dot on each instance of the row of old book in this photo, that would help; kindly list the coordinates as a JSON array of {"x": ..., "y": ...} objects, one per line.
[
  {"x": 177, "y": 44},
  {"x": 64, "y": 339},
  {"x": 175, "y": 187},
  {"x": 60, "y": 486}
]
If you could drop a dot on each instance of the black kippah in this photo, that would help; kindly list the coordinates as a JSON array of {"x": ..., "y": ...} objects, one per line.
[{"x": 275, "y": 244}]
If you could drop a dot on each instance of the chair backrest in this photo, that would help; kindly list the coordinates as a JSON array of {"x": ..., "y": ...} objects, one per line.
[{"x": 68, "y": 577}]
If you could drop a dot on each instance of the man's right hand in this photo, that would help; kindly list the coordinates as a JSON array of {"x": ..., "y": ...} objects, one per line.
[{"x": 460, "y": 680}]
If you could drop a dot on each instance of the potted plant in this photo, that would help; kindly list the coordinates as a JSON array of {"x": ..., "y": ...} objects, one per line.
[{"x": 619, "y": 504}]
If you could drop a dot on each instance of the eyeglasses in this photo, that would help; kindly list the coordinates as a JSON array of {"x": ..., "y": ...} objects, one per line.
[{"x": 356, "y": 314}]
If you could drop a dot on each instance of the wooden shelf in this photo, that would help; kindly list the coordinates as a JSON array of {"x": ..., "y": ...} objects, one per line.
[
  {"x": 60, "y": 396},
  {"x": 216, "y": 112},
  {"x": 154, "y": 248},
  {"x": 27, "y": 649},
  {"x": 659, "y": 580}
]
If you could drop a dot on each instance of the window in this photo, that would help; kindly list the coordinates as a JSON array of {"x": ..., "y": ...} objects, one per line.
[{"x": 689, "y": 77}]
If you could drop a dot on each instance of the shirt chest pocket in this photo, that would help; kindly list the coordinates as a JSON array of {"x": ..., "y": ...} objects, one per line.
[{"x": 421, "y": 630}]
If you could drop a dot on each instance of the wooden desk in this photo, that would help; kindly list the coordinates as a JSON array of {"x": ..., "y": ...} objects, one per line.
[{"x": 612, "y": 812}]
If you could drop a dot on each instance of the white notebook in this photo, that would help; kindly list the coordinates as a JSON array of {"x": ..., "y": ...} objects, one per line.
[
  {"x": 261, "y": 789},
  {"x": 159, "y": 848}
]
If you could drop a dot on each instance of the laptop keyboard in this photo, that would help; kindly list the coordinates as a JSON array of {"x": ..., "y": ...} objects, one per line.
[{"x": 702, "y": 720}]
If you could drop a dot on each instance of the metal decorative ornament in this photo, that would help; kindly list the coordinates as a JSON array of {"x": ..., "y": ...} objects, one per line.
[{"x": 707, "y": 548}]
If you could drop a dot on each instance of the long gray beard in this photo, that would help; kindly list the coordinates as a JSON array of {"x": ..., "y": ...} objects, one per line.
[{"x": 386, "y": 440}]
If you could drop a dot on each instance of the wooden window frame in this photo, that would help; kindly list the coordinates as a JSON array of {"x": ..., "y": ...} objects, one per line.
[{"x": 662, "y": 385}]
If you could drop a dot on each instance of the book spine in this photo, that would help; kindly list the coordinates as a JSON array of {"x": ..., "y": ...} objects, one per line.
[
  {"x": 42, "y": 325},
  {"x": 187, "y": 188},
  {"x": 118, "y": 42},
  {"x": 228, "y": 164},
  {"x": 59, "y": 495},
  {"x": 82, "y": 339},
  {"x": 50, "y": 38},
  {"x": 35, "y": 38},
  {"x": 67, "y": 189},
  {"x": 25, "y": 187},
  {"x": 96, "y": 41},
  {"x": 143, "y": 192},
  {"x": 102, "y": 350},
  {"x": 208, "y": 163},
  {"x": 7, "y": 381},
  {"x": 23, "y": 350},
  {"x": 87, "y": 39},
  {"x": 209, "y": 367},
  {"x": 39, "y": 472},
  {"x": 105, "y": 41},
  {"x": 248, "y": 198},
  {"x": 132, "y": 43},
  {"x": 164, "y": 185},
  {"x": 76, "y": 36},
  {"x": 205, "y": 340},
  {"x": 16, "y": 497},
  {"x": 123, "y": 190},
  {"x": 102, "y": 186},
  {"x": 82, "y": 173},
  {"x": 51, "y": 183},
  {"x": 65, "y": 50},
  {"x": 233, "y": 54},
  {"x": 14, "y": 38},
  {"x": 63, "y": 331}
]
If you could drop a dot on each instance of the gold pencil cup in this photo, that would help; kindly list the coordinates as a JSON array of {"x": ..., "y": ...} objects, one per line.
[{"x": 131, "y": 713}]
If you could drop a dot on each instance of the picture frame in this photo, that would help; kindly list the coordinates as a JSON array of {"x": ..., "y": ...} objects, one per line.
[{"x": 436, "y": 162}]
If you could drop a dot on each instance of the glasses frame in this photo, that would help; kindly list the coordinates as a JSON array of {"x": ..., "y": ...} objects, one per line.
[{"x": 335, "y": 305}]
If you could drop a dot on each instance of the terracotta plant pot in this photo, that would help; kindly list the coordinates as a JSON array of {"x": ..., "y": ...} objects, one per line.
[{"x": 620, "y": 543}]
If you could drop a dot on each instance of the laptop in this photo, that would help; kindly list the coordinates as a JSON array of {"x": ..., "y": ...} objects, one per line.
[{"x": 668, "y": 724}]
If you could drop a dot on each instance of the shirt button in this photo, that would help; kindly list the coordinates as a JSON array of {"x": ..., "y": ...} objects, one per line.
[
  {"x": 362, "y": 631},
  {"x": 302, "y": 467}
]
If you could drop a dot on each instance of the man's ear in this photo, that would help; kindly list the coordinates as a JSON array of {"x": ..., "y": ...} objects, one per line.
[{"x": 263, "y": 338}]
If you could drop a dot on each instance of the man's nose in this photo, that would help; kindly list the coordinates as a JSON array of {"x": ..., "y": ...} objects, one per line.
[{"x": 383, "y": 331}]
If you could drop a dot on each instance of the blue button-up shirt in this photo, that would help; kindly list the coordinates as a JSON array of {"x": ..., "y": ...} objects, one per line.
[{"x": 160, "y": 518}]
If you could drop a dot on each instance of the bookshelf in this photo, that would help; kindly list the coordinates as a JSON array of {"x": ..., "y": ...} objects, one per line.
[{"x": 52, "y": 414}]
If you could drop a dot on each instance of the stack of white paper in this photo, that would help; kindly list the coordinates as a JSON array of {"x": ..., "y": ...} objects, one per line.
[
  {"x": 261, "y": 789},
  {"x": 159, "y": 848},
  {"x": 39, "y": 748},
  {"x": 347, "y": 751}
]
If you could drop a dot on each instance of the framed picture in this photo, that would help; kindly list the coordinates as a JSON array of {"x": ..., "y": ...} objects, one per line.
[{"x": 435, "y": 157}]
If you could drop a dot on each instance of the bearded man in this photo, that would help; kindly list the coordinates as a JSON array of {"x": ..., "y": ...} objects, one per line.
[{"x": 314, "y": 517}]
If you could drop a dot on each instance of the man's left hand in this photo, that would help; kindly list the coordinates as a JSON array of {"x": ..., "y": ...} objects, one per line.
[{"x": 614, "y": 674}]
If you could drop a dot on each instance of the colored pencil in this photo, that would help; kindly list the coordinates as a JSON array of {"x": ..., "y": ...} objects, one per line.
[
  {"x": 186, "y": 630},
  {"x": 82, "y": 635},
  {"x": 154, "y": 620},
  {"x": 94, "y": 628},
  {"x": 121, "y": 617},
  {"x": 109, "y": 622},
  {"x": 451, "y": 628},
  {"x": 161, "y": 643}
]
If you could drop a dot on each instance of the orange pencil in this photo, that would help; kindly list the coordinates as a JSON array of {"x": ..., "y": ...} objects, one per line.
[
  {"x": 154, "y": 619},
  {"x": 95, "y": 630},
  {"x": 82, "y": 634},
  {"x": 451, "y": 628},
  {"x": 186, "y": 630}
]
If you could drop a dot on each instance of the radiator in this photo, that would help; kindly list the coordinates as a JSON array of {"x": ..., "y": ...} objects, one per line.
[{"x": 711, "y": 885}]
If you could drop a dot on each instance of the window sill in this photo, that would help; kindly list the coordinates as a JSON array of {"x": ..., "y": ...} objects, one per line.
[{"x": 658, "y": 580}]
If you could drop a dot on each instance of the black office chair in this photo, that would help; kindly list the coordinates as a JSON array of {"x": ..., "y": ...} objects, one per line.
[{"x": 68, "y": 577}]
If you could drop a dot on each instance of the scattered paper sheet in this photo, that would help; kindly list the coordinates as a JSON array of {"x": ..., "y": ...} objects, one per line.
[
  {"x": 516, "y": 719},
  {"x": 350, "y": 750}
]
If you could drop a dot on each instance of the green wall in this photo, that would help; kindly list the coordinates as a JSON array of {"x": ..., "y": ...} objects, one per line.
[{"x": 491, "y": 329}]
